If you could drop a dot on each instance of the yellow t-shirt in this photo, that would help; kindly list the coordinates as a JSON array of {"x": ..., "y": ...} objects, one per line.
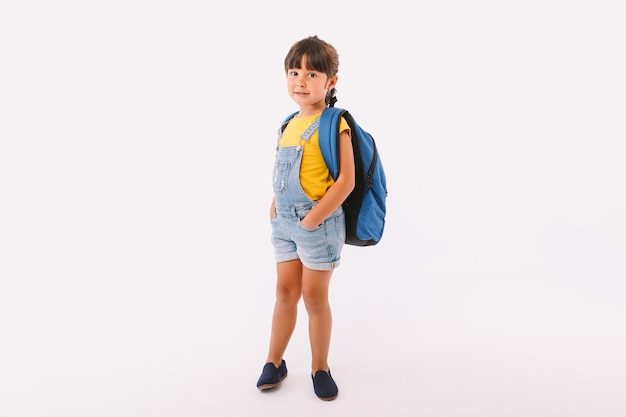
[{"x": 314, "y": 175}]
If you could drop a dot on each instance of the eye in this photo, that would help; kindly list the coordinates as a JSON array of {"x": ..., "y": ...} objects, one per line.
[
  {"x": 312, "y": 75},
  {"x": 293, "y": 73}
]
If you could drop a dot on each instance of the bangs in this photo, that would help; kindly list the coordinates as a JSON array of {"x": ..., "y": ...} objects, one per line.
[{"x": 314, "y": 55}]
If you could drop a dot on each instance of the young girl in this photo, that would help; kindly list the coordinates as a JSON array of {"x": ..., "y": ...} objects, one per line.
[{"x": 308, "y": 224}]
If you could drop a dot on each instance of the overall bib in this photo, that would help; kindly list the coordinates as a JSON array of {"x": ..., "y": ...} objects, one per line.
[{"x": 319, "y": 248}]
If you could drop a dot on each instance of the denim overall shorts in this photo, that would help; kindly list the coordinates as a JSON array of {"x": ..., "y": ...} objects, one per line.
[{"x": 319, "y": 248}]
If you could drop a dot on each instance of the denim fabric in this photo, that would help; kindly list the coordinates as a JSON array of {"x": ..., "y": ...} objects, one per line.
[{"x": 319, "y": 248}]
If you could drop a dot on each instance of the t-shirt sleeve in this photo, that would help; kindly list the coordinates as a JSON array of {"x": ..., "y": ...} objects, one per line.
[{"x": 343, "y": 125}]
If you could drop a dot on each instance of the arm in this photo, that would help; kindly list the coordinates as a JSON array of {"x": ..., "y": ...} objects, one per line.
[
  {"x": 273, "y": 209},
  {"x": 339, "y": 191}
]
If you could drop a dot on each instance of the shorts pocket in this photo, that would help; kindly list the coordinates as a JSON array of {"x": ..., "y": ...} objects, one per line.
[
  {"x": 340, "y": 227},
  {"x": 319, "y": 226}
]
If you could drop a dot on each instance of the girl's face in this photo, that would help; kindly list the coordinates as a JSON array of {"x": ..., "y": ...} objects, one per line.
[{"x": 308, "y": 88}]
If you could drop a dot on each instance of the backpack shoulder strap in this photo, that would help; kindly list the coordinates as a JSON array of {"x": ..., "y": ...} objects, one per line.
[
  {"x": 329, "y": 144},
  {"x": 284, "y": 123}
]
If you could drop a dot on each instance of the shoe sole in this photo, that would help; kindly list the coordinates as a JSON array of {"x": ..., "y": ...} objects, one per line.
[
  {"x": 270, "y": 386},
  {"x": 327, "y": 398}
]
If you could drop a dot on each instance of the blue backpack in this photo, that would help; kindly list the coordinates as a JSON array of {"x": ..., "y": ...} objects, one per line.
[{"x": 365, "y": 207}]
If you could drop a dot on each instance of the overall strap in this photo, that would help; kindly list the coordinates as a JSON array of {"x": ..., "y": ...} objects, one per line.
[
  {"x": 310, "y": 130},
  {"x": 307, "y": 133},
  {"x": 284, "y": 123}
]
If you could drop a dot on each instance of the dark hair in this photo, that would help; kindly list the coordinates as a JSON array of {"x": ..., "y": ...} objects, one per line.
[{"x": 320, "y": 56}]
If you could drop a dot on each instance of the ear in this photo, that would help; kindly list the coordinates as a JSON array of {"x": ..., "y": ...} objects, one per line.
[{"x": 332, "y": 81}]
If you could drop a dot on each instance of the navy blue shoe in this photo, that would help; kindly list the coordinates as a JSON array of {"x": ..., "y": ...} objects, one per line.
[
  {"x": 272, "y": 376},
  {"x": 324, "y": 385}
]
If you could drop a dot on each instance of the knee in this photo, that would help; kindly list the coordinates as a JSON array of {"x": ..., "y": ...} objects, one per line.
[
  {"x": 288, "y": 296},
  {"x": 315, "y": 302}
]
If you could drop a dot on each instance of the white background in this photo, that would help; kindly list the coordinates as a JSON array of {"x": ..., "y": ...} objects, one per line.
[{"x": 136, "y": 145}]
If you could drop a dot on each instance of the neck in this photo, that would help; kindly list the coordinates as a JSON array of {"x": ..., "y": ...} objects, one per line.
[{"x": 306, "y": 111}]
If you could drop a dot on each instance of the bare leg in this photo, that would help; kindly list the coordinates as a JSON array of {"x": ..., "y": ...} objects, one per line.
[
  {"x": 288, "y": 293},
  {"x": 315, "y": 292}
]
